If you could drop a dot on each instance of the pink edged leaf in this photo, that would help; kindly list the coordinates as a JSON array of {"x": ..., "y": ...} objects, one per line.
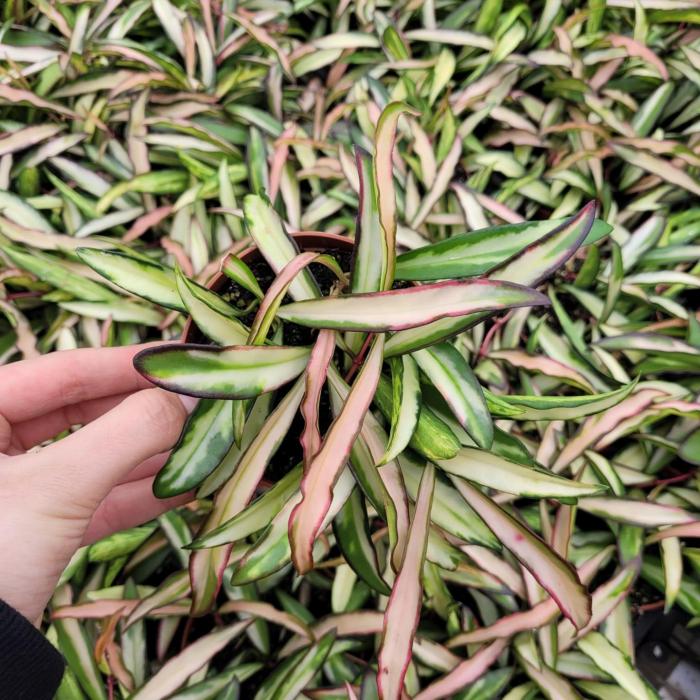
[
  {"x": 398, "y": 309},
  {"x": 95, "y": 609},
  {"x": 632, "y": 512},
  {"x": 316, "y": 372},
  {"x": 684, "y": 530},
  {"x": 279, "y": 288},
  {"x": 537, "y": 616},
  {"x": 172, "y": 589},
  {"x": 147, "y": 221},
  {"x": 384, "y": 138},
  {"x": 403, "y": 610},
  {"x": 350, "y": 691},
  {"x": 268, "y": 612},
  {"x": 467, "y": 672},
  {"x": 544, "y": 365},
  {"x": 597, "y": 426},
  {"x": 639, "y": 50},
  {"x": 548, "y": 254},
  {"x": 383, "y": 485},
  {"x": 317, "y": 485},
  {"x": 370, "y": 260},
  {"x": 178, "y": 669},
  {"x": 359, "y": 623},
  {"x": 98, "y": 609},
  {"x": 529, "y": 267},
  {"x": 604, "y": 600},
  {"x": 552, "y": 572}
]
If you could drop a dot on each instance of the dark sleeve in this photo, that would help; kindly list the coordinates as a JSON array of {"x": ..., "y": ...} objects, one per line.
[{"x": 30, "y": 668}]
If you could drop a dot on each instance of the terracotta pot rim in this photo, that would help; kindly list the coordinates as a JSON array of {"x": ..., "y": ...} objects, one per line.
[{"x": 305, "y": 240}]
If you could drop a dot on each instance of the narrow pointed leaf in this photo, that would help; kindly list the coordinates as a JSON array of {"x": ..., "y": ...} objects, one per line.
[
  {"x": 528, "y": 267},
  {"x": 449, "y": 372},
  {"x": 406, "y": 398},
  {"x": 178, "y": 669},
  {"x": 278, "y": 290},
  {"x": 240, "y": 273},
  {"x": 305, "y": 669},
  {"x": 174, "y": 588},
  {"x": 239, "y": 372},
  {"x": 537, "y": 616},
  {"x": 273, "y": 551},
  {"x": 371, "y": 251},
  {"x": 384, "y": 138},
  {"x": 73, "y": 642},
  {"x": 604, "y": 600},
  {"x": 479, "y": 252},
  {"x": 53, "y": 271},
  {"x": 450, "y": 511},
  {"x": 316, "y": 486},
  {"x": 562, "y": 407},
  {"x": 207, "y": 567},
  {"x": 268, "y": 232},
  {"x": 205, "y": 440},
  {"x": 465, "y": 673},
  {"x": 410, "y": 307},
  {"x": 403, "y": 610},
  {"x": 431, "y": 437},
  {"x": 596, "y": 427},
  {"x": 212, "y": 315},
  {"x": 493, "y": 471},
  {"x": 267, "y": 612},
  {"x": 256, "y": 516},
  {"x": 641, "y": 513},
  {"x": 554, "y": 574},
  {"x": 352, "y": 534},
  {"x": 691, "y": 529},
  {"x": 146, "y": 279}
]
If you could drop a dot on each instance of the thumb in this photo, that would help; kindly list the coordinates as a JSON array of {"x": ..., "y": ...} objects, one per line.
[{"x": 102, "y": 453}]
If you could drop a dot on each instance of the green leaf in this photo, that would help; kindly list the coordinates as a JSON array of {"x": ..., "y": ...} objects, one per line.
[
  {"x": 611, "y": 660},
  {"x": 256, "y": 517},
  {"x": 212, "y": 315},
  {"x": 405, "y": 412},
  {"x": 55, "y": 272},
  {"x": 157, "y": 182},
  {"x": 148, "y": 280},
  {"x": 268, "y": 232},
  {"x": 479, "y": 252},
  {"x": 352, "y": 533},
  {"x": 370, "y": 259},
  {"x": 490, "y": 470},
  {"x": 74, "y": 645},
  {"x": 432, "y": 437},
  {"x": 449, "y": 372},
  {"x": 556, "y": 407},
  {"x": 205, "y": 440},
  {"x": 229, "y": 373}
]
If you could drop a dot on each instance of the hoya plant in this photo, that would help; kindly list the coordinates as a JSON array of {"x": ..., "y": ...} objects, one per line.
[{"x": 342, "y": 427}]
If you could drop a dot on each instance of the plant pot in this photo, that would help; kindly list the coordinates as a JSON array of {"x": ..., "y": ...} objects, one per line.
[{"x": 317, "y": 242}]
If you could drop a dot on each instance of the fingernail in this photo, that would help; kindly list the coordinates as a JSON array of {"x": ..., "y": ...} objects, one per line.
[{"x": 189, "y": 402}]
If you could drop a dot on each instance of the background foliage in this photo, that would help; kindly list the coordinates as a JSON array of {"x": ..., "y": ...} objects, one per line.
[{"x": 142, "y": 124}]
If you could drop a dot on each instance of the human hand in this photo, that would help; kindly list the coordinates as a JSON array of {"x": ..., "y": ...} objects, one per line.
[{"x": 87, "y": 485}]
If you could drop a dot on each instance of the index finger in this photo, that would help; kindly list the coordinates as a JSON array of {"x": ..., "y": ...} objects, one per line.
[{"x": 32, "y": 388}]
